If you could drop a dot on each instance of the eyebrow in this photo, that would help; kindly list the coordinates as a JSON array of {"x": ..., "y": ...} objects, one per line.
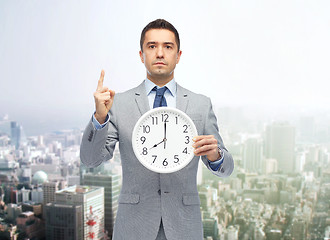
[{"x": 153, "y": 42}]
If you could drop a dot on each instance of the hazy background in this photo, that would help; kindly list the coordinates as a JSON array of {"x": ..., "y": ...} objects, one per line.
[{"x": 266, "y": 54}]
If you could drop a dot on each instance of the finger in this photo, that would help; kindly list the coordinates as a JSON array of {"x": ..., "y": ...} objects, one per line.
[
  {"x": 101, "y": 97},
  {"x": 205, "y": 141},
  {"x": 206, "y": 148},
  {"x": 103, "y": 90},
  {"x": 98, "y": 94},
  {"x": 112, "y": 93},
  {"x": 104, "y": 96},
  {"x": 206, "y": 153},
  {"x": 201, "y": 137},
  {"x": 100, "y": 82}
]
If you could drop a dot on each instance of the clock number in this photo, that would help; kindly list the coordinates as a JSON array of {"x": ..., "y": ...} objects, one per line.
[
  {"x": 154, "y": 120},
  {"x": 187, "y": 138},
  {"x": 185, "y": 151},
  {"x": 145, "y": 151},
  {"x": 185, "y": 129},
  {"x": 154, "y": 156},
  {"x": 176, "y": 159},
  {"x": 165, "y": 163},
  {"x": 165, "y": 117},
  {"x": 176, "y": 120},
  {"x": 143, "y": 139},
  {"x": 146, "y": 129}
]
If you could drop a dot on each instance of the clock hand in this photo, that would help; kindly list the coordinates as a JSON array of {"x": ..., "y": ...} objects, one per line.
[
  {"x": 165, "y": 135},
  {"x": 156, "y": 144}
]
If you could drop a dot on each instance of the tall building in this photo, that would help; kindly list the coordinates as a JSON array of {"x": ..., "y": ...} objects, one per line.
[
  {"x": 25, "y": 194},
  {"x": 252, "y": 155},
  {"x": 110, "y": 182},
  {"x": 64, "y": 222},
  {"x": 49, "y": 189},
  {"x": 13, "y": 210},
  {"x": 17, "y": 134},
  {"x": 89, "y": 198},
  {"x": 37, "y": 195},
  {"x": 210, "y": 228},
  {"x": 299, "y": 229},
  {"x": 83, "y": 170},
  {"x": 269, "y": 165},
  {"x": 280, "y": 145}
]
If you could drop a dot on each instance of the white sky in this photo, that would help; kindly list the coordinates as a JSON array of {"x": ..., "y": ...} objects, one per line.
[{"x": 245, "y": 52}]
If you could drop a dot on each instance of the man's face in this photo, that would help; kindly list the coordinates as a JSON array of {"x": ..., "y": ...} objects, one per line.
[{"x": 160, "y": 54}]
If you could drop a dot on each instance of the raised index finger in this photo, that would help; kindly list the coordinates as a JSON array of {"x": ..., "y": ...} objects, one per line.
[{"x": 100, "y": 82}]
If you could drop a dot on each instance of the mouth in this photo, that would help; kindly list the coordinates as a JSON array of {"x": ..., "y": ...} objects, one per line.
[{"x": 159, "y": 63}]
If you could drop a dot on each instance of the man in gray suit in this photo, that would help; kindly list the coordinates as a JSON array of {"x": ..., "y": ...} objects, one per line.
[{"x": 153, "y": 205}]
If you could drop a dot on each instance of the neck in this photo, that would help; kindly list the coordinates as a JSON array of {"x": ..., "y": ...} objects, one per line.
[{"x": 160, "y": 82}]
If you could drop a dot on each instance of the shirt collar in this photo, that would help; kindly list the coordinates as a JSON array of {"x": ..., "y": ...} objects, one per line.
[{"x": 171, "y": 86}]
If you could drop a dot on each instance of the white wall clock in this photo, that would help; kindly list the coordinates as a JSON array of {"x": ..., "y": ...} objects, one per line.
[{"x": 162, "y": 139}]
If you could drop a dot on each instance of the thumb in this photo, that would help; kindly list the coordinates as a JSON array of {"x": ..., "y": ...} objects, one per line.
[{"x": 112, "y": 94}]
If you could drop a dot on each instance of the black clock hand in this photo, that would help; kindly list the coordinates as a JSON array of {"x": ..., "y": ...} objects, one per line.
[
  {"x": 164, "y": 135},
  {"x": 157, "y": 144}
]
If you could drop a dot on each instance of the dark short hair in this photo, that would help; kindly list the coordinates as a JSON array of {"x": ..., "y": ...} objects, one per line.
[{"x": 159, "y": 24}]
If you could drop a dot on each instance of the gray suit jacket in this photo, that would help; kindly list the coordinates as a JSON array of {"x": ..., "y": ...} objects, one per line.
[{"x": 147, "y": 197}]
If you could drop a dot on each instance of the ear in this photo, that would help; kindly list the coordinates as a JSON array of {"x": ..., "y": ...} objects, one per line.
[
  {"x": 178, "y": 56},
  {"x": 141, "y": 56}
]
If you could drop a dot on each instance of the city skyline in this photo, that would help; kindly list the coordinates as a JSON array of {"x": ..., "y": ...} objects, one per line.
[
  {"x": 261, "y": 199},
  {"x": 34, "y": 126}
]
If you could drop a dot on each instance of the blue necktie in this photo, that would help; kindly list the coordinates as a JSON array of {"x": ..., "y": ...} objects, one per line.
[{"x": 160, "y": 100}]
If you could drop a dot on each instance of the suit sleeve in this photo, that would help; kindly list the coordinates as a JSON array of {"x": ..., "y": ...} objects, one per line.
[
  {"x": 211, "y": 128},
  {"x": 97, "y": 145}
]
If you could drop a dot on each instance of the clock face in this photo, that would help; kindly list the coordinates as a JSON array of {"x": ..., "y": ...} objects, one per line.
[{"x": 162, "y": 139}]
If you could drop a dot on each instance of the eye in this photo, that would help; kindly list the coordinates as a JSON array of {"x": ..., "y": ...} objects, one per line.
[
  {"x": 168, "y": 46},
  {"x": 152, "y": 46}
]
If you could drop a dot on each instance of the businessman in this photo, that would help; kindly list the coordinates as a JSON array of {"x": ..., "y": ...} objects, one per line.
[{"x": 153, "y": 205}]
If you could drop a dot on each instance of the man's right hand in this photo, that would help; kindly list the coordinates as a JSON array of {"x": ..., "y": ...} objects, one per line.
[{"x": 103, "y": 100}]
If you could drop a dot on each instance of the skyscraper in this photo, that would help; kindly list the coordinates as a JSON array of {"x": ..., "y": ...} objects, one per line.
[
  {"x": 64, "y": 222},
  {"x": 252, "y": 155},
  {"x": 280, "y": 145},
  {"x": 299, "y": 229},
  {"x": 89, "y": 198},
  {"x": 49, "y": 189},
  {"x": 210, "y": 228},
  {"x": 17, "y": 134},
  {"x": 110, "y": 182}
]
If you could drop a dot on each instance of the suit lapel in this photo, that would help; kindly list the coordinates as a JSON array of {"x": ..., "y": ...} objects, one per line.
[
  {"x": 141, "y": 99},
  {"x": 181, "y": 98},
  {"x": 142, "y": 102}
]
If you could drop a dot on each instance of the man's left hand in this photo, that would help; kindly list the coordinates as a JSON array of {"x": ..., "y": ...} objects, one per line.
[{"x": 206, "y": 145}]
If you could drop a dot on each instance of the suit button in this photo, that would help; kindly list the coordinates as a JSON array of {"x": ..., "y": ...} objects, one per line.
[{"x": 159, "y": 192}]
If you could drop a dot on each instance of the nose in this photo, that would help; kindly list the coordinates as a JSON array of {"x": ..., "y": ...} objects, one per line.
[{"x": 160, "y": 52}]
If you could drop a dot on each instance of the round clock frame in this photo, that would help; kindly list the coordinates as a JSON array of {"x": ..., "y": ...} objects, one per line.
[{"x": 162, "y": 139}]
